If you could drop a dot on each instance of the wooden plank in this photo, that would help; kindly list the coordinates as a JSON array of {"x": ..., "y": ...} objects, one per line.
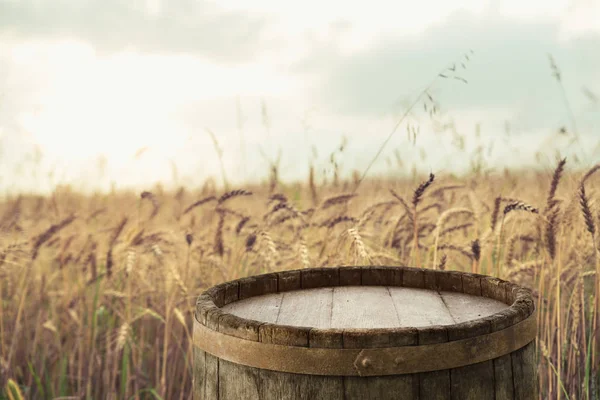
[
  {"x": 472, "y": 284},
  {"x": 419, "y": 307},
  {"x": 262, "y": 308},
  {"x": 211, "y": 387},
  {"x": 257, "y": 285},
  {"x": 284, "y": 335},
  {"x": 443, "y": 280},
  {"x": 217, "y": 294},
  {"x": 493, "y": 288},
  {"x": 238, "y": 382},
  {"x": 381, "y": 276},
  {"x": 434, "y": 385},
  {"x": 465, "y": 307},
  {"x": 283, "y": 386},
  {"x": 326, "y": 338},
  {"x": 233, "y": 325},
  {"x": 413, "y": 277},
  {"x": 476, "y": 381},
  {"x": 503, "y": 378},
  {"x": 199, "y": 378},
  {"x": 320, "y": 277},
  {"x": 204, "y": 304},
  {"x": 473, "y": 382},
  {"x": 367, "y": 307},
  {"x": 503, "y": 374},
  {"x": 310, "y": 307},
  {"x": 450, "y": 281},
  {"x": 231, "y": 293},
  {"x": 403, "y": 387},
  {"x": 350, "y": 276},
  {"x": 525, "y": 373},
  {"x": 289, "y": 280}
]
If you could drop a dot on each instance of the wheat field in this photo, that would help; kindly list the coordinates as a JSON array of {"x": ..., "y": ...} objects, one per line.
[{"x": 97, "y": 291}]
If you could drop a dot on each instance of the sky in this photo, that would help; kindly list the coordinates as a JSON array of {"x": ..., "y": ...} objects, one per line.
[{"x": 96, "y": 93}]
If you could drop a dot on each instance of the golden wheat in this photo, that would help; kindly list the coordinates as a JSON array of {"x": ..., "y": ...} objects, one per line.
[{"x": 109, "y": 296}]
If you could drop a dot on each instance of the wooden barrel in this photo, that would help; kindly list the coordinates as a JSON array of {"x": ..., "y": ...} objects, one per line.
[{"x": 365, "y": 333}]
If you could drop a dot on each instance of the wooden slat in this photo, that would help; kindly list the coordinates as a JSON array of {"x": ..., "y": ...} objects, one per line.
[
  {"x": 420, "y": 307},
  {"x": 199, "y": 379},
  {"x": 381, "y": 388},
  {"x": 350, "y": 276},
  {"x": 503, "y": 378},
  {"x": 476, "y": 381},
  {"x": 503, "y": 371},
  {"x": 261, "y": 308},
  {"x": 381, "y": 276},
  {"x": 284, "y": 335},
  {"x": 434, "y": 385},
  {"x": 413, "y": 278},
  {"x": 289, "y": 280},
  {"x": 464, "y": 307},
  {"x": 281, "y": 386},
  {"x": 320, "y": 277},
  {"x": 472, "y": 284},
  {"x": 238, "y": 382},
  {"x": 312, "y": 309},
  {"x": 211, "y": 388},
  {"x": 524, "y": 373},
  {"x": 258, "y": 285},
  {"x": 231, "y": 292},
  {"x": 493, "y": 288},
  {"x": 367, "y": 307},
  {"x": 233, "y": 325}
]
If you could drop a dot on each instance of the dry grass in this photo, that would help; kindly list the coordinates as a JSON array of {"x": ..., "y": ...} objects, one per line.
[{"x": 98, "y": 291}]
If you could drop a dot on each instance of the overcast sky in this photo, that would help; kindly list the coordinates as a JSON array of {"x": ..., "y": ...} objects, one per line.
[{"x": 133, "y": 86}]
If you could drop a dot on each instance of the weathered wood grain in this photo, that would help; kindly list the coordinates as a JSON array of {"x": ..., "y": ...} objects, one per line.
[
  {"x": 367, "y": 306},
  {"x": 282, "y": 386},
  {"x": 239, "y": 382},
  {"x": 199, "y": 378},
  {"x": 211, "y": 386},
  {"x": 258, "y": 285},
  {"x": 320, "y": 277},
  {"x": 420, "y": 307},
  {"x": 264, "y": 308},
  {"x": 464, "y": 307},
  {"x": 434, "y": 385},
  {"x": 300, "y": 310},
  {"x": 363, "y": 307},
  {"x": 524, "y": 368},
  {"x": 476, "y": 381},
  {"x": 350, "y": 276}
]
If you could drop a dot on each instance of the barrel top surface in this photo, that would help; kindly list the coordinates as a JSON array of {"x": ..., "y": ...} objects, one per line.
[{"x": 349, "y": 307}]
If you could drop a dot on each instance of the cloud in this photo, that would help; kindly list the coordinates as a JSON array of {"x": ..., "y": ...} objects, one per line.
[
  {"x": 180, "y": 26},
  {"x": 510, "y": 69}
]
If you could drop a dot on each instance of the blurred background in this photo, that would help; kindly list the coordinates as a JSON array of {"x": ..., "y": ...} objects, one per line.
[{"x": 123, "y": 94}]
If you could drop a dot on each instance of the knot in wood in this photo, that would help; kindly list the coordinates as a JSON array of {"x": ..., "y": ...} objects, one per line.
[
  {"x": 398, "y": 360},
  {"x": 366, "y": 362}
]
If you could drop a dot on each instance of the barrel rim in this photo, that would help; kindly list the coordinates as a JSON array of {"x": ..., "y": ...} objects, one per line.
[{"x": 209, "y": 312}]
